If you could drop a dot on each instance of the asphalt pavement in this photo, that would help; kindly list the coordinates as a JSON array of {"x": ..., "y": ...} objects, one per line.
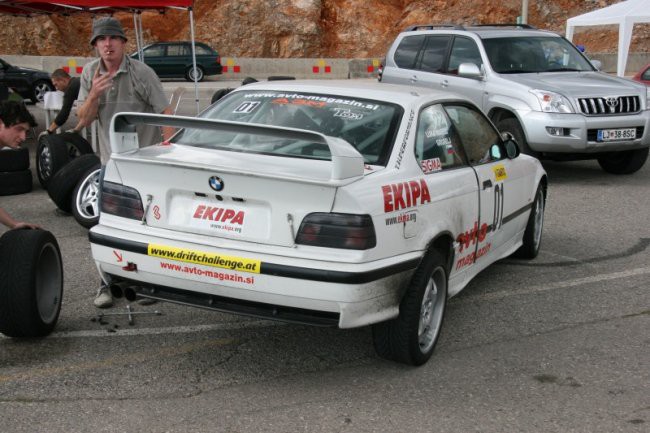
[{"x": 557, "y": 344}]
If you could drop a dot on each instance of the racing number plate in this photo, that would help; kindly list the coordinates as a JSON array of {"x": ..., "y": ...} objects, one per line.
[{"x": 616, "y": 134}]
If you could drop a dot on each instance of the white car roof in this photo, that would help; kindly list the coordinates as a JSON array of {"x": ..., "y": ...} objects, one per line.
[{"x": 362, "y": 89}]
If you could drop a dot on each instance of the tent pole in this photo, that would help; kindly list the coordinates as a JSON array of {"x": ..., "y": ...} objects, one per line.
[
  {"x": 137, "y": 39},
  {"x": 141, "y": 32},
  {"x": 196, "y": 84}
]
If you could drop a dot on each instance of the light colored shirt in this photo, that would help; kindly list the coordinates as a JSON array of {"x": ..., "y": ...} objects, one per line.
[{"x": 136, "y": 88}]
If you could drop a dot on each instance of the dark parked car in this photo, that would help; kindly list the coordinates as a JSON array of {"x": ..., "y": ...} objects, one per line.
[
  {"x": 643, "y": 76},
  {"x": 174, "y": 59},
  {"x": 27, "y": 82}
]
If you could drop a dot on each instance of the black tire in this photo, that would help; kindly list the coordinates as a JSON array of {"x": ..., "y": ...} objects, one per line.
[
  {"x": 62, "y": 184},
  {"x": 39, "y": 89},
  {"x": 52, "y": 154},
  {"x": 85, "y": 206},
  {"x": 625, "y": 162},
  {"x": 220, "y": 94},
  {"x": 14, "y": 159},
  {"x": 15, "y": 182},
  {"x": 533, "y": 233},
  {"x": 189, "y": 73},
  {"x": 511, "y": 125},
  {"x": 402, "y": 339},
  {"x": 31, "y": 283}
]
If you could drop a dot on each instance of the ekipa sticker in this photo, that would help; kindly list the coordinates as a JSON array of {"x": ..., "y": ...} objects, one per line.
[{"x": 500, "y": 172}]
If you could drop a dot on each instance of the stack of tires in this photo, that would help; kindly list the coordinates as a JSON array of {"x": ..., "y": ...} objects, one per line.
[
  {"x": 15, "y": 175},
  {"x": 69, "y": 170}
]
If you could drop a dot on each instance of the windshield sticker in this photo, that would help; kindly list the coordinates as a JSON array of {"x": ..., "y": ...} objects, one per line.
[
  {"x": 306, "y": 102},
  {"x": 500, "y": 172},
  {"x": 246, "y": 107},
  {"x": 347, "y": 114},
  {"x": 312, "y": 98},
  {"x": 431, "y": 165}
]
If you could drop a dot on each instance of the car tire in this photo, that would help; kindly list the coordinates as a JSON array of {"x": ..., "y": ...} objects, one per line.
[
  {"x": 39, "y": 89},
  {"x": 624, "y": 162},
  {"x": 411, "y": 337},
  {"x": 15, "y": 182},
  {"x": 51, "y": 155},
  {"x": 532, "y": 239},
  {"x": 31, "y": 283},
  {"x": 14, "y": 159},
  {"x": 189, "y": 73},
  {"x": 62, "y": 184},
  {"x": 512, "y": 125},
  {"x": 85, "y": 205}
]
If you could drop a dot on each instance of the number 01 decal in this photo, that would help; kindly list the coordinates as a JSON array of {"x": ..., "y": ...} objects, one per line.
[
  {"x": 246, "y": 107},
  {"x": 498, "y": 206}
]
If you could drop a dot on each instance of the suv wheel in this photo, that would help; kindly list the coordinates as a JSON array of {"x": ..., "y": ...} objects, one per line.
[
  {"x": 189, "y": 73},
  {"x": 38, "y": 92},
  {"x": 511, "y": 125},
  {"x": 625, "y": 162}
]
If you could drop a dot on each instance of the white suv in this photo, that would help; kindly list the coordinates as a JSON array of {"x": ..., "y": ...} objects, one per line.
[{"x": 534, "y": 84}]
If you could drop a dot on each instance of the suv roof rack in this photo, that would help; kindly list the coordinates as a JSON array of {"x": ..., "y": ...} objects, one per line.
[
  {"x": 433, "y": 27},
  {"x": 521, "y": 26}
]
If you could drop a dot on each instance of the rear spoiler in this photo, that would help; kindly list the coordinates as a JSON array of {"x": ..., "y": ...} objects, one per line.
[{"x": 347, "y": 162}]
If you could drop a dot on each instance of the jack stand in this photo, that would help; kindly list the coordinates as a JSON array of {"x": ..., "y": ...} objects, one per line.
[{"x": 129, "y": 312}]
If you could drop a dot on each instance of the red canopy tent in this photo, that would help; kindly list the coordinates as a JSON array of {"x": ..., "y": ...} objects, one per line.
[{"x": 67, "y": 7}]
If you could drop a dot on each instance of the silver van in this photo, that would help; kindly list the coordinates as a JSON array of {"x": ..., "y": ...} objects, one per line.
[{"x": 533, "y": 84}]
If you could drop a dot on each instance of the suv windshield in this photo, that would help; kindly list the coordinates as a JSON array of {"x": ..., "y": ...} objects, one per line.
[
  {"x": 368, "y": 125},
  {"x": 534, "y": 54}
]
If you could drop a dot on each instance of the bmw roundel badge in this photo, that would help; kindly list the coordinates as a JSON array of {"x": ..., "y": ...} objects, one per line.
[{"x": 216, "y": 183}]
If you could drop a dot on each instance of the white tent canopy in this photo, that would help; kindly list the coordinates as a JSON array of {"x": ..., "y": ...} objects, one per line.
[{"x": 624, "y": 14}]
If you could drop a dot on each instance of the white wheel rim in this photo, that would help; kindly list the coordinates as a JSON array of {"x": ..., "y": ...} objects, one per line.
[
  {"x": 539, "y": 219},
  {"x": 45, "y": 163},
  {"x": 86, "y": 200},
  {"x": 431, "y": 310}
]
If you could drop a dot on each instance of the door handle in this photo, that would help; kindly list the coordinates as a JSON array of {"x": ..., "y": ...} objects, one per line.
[
  {"x": 414, "y": 79},
  {"x": 487, "y": 184},
  {"x": 444, "y": 83}
]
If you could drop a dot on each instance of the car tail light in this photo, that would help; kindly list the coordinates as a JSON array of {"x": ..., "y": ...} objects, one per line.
[
  {"x": 337, "y": 230},
  {"x": 121, "y": 200},
  {"x": 218, "y": 60}
]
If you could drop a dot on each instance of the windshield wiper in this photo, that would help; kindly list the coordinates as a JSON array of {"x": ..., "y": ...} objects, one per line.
[{"x": 564, "y": 70}]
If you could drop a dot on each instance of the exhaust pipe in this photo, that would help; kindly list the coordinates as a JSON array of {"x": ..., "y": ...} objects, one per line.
[
  {"x": 129, "y": 294},
  {"x": 117, "y": 290}
]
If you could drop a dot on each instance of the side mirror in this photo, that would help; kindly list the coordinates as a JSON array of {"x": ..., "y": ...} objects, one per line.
[
  {"x": 469, "y": 70},
  {"x": 509, "y": 142},
  {"x": 597, "y": 64}
]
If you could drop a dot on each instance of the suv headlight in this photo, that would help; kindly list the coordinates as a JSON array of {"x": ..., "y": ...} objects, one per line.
[{"x": 552, "y": 102}]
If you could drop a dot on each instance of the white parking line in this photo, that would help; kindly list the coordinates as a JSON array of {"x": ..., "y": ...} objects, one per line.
[{"x": 558, "y": 285}]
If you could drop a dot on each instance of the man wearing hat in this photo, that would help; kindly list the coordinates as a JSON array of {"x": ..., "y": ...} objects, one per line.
[{"x": 115, "y": 83}]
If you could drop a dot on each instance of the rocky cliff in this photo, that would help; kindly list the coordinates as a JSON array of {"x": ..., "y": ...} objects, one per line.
[{"x": 306, "y": 28}]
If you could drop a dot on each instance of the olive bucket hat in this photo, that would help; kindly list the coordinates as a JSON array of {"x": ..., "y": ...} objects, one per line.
[{"x": 106, "y": 26}]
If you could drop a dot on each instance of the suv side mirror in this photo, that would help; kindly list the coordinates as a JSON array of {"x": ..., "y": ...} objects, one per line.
[
  {"x": 469, "y": 70},
  {"x": 509, "y": 142},
  {"x": 596, "y": 64}
]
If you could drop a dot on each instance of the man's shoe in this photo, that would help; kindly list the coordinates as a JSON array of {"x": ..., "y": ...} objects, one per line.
[
  {"x": 147, "y": 301},
  {"x": 104, "y": 299}
]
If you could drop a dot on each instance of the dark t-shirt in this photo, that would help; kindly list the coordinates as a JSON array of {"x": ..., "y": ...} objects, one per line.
[{"x": 69, "y": 96}]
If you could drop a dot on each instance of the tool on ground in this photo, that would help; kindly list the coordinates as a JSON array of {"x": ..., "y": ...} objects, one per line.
[{"x": 129, "y": 312}]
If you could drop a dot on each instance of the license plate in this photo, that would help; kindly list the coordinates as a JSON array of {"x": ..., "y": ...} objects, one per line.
[{"x": 616, "y": 134}]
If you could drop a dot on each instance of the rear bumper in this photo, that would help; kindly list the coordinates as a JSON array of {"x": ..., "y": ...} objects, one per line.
[
  {"x": 581, "y": 132},
  {"x": 305, "y": 291}
]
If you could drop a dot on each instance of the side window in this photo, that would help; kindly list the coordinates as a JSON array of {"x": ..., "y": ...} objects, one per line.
[
  {"x": 479, "y": 138},
  {"x": 202, "y": 51},
  {"x": 408, "y": 50},
  {"x": 436, "y": 141},
  {"x": 646, "y": 75},
  {"x": 463, "y": 50},
  {"x": 154, "y": 51},
  {"x": 177, "y": 50},
  {"x": 435, "y": 51}
]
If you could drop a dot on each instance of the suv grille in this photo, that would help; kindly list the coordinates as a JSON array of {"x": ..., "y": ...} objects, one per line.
[{"x": 608, "y": 106}]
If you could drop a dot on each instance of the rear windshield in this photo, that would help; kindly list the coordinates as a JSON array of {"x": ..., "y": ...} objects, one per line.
[
  {"x": 368, "y": 125},
  {"x": 534, "y": 54}
]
